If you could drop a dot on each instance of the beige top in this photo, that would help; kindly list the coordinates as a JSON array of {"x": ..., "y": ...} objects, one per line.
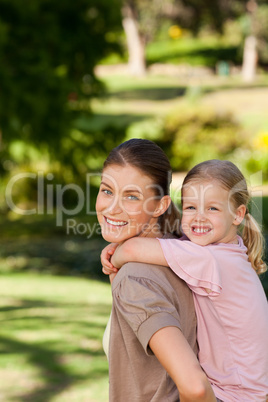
[{"x": 146, "y": 298}]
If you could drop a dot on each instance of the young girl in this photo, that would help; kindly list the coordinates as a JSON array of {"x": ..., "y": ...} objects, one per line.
[{"x": 221, "y": 269}]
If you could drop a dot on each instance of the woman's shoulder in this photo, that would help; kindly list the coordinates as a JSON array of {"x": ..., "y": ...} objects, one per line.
[{"x": 149, "y": 274}]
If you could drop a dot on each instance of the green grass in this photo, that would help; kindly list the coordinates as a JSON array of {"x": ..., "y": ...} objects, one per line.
[
  {"x": 194, "y": 51},
  {"x": 130, "y": 100},
  {"x": 205, "y": 51},
  {"x": 50, "y": 342}
]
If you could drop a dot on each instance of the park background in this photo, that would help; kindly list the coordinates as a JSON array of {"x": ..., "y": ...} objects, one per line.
[{"x": 77, "y": 79}]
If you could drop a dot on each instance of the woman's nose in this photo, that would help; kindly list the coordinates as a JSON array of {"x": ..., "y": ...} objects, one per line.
[{"x": 115, "y": 207}]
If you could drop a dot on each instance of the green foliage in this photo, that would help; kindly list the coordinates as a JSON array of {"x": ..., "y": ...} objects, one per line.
[
  {"x": 150, "y": 15},
  {"x": 192, "y": 15},
  {"x": 197, "y": 14},
  {"x": 34, "y": 243},
  {"x": 192, "y": 134},
  {"x": 257, "y": 159},
  {"x": 48, "y": 51}
]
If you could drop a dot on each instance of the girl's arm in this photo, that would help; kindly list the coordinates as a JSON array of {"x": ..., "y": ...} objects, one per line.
[
  {"x": 179, "y": 360},
  {"x": 139, "y": 249}
]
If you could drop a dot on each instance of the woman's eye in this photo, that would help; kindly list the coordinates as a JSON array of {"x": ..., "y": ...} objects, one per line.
[
  {"x": 132, "y": 197},
  {"x": 108, "y": 192}
]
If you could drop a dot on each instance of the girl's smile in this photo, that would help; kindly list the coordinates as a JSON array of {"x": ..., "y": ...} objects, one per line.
[
  {"x": 197, "y": 230},
  {"x": 207, "y": 213}
]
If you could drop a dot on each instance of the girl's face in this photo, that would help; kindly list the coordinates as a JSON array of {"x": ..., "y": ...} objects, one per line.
[
  {"x": 208, "y": 215},
  {"x": 126, "y": 204}
]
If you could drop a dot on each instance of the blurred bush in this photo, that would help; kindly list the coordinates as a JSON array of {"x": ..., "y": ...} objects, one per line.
[
  {"x": 198, "y": 133},
  {"x": 192, "y": 133},
  {"x": 32, "y": 172},
  {"x": 256, "y": 159}
]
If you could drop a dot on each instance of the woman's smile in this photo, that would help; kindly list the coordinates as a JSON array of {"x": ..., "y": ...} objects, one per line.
[
  {"x": 126, "y": 204},
  {"x": 115, "y": 222}
]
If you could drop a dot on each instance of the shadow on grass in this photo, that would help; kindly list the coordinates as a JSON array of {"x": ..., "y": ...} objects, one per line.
[
  {"x": 56, "y": 377},
  {"x": 51, "y": 358},
  {"x": 154, "y": 94},
  {"x": 206, "y": 56},
  {"x": 110, "y": 122},
  {"x": 169, "y": 93}
]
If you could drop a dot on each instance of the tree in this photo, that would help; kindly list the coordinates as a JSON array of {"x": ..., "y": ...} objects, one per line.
[
  {"x": 48, "y": 50},
  {"x": 141, "y": 19},
  {"x": 250, "y": 56},
  {"x": 256, "y": 47},
  {"x": 135, "y": 41}
]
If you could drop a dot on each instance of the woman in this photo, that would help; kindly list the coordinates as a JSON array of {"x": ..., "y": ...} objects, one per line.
[{"x": 153, "y": 323}]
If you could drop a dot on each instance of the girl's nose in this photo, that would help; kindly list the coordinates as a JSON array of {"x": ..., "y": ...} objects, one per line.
[{"x": 200, "y": 215}]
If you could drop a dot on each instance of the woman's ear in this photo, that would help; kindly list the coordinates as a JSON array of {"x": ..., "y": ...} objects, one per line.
[
  {"x": 239, "y": 214},
  {"x": 163, "y": 205}
]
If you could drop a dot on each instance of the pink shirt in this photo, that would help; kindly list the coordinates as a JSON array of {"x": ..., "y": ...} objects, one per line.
[{"x": 232, "y": 318}]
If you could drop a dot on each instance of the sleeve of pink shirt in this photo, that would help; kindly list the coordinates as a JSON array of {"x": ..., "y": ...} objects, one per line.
[{"x": 195, "y": 264}]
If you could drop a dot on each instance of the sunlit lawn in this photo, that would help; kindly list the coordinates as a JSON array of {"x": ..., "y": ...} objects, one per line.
[
  {"x": 135, "y": 99},
  {"x": 50, "y": 338}
]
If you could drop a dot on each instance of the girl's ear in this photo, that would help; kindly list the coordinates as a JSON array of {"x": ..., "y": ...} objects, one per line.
[
  {"x": 163, "y": 205},
  {"x": 239, "y": 214}
]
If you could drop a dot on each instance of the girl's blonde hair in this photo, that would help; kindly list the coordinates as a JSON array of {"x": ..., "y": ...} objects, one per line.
[{"x": 233, "y": 180}]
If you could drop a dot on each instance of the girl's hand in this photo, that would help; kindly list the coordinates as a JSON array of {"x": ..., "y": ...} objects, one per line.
[{"x": 106, "y": 254}]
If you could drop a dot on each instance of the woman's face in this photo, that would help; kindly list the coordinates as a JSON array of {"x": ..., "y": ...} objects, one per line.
[{"x": 126, "y": 204}]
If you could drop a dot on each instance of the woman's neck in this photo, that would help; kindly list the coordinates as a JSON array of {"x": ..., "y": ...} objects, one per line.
[{"x": 152, "y": 232}]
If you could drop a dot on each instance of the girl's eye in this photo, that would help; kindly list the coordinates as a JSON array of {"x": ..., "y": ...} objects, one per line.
[
  {"x": 213, "y": 209},
  {"x": 191, "y": 208}
]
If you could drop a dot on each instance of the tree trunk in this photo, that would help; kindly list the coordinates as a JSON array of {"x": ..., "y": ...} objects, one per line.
[
  {"x": 250, "y": 58},
  {"x": 250, "y": 55},
  {"x": 135, "y": 44}
]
